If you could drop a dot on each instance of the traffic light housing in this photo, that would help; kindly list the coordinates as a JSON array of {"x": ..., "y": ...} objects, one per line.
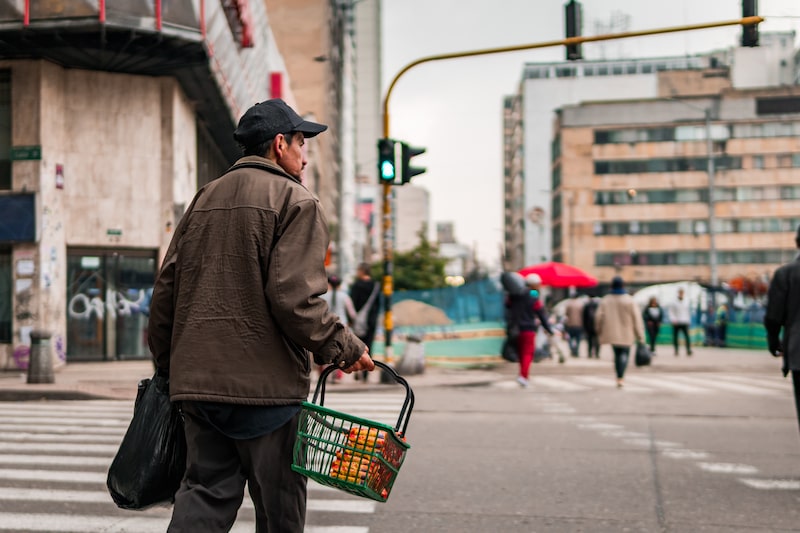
[
  {"x": 387, "y": 168},
  {"x": 750, "y": 32},
  {"x": 408, "y": 171},
  {"x": 574, "y": 27}
]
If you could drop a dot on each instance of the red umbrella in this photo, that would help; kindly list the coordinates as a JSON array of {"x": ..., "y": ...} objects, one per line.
[{"x": 560, "y": 275}]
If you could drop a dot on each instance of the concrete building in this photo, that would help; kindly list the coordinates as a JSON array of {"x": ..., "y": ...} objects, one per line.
[
  {"x": 112, "y": 114},
  {"x": 634, "y": 195},
  {"x": 460, "y": 257},
  {"x": 410, "y": 214},
  {"x": 545, "y": 87},
  {"x": 332, "y": 49}
]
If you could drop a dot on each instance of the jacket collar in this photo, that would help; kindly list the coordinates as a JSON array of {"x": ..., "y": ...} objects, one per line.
[{"x": 268, "y": 165}]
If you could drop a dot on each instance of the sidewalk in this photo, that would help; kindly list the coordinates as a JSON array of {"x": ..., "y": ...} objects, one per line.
[{"x": 119, "y": 379}]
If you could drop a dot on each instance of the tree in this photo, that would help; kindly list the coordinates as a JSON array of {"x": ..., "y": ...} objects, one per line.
[{"x": 418, "y": 269}]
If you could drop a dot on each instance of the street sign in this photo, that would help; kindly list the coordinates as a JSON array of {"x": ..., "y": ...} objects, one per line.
[{"x": 26, "y": 153}]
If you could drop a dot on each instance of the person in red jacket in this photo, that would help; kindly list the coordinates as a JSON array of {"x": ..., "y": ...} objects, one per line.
[{"x": 526, "y": 313}]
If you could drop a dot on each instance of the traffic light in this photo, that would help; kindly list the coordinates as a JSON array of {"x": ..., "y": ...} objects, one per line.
[
  {"x": 386, "y": 161},
  {"x": 408, "y": 171},
  {"x": 572, "y": 12},
  {"x": 750, "y": 32}
]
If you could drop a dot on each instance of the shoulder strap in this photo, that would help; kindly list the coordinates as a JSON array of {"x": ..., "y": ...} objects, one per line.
[{"x": 372, "y": 296}]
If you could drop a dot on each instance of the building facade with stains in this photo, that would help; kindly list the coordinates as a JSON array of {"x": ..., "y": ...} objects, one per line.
[{"x": 112, "y": 115}]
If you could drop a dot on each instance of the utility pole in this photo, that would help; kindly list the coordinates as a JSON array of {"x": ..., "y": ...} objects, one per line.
[{"x": 712, "y": 232}]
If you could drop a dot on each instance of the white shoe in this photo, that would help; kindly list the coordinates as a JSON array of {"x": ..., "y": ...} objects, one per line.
[{"x": 522, "y": 382}]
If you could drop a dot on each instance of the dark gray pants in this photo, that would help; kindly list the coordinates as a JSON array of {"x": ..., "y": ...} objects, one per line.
[
  {"x": 217, "y": 468},
  {"x": 621, "y": 355}
]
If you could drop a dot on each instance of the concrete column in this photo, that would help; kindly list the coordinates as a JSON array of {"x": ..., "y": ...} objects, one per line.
[{"x": 40, "y": 362}]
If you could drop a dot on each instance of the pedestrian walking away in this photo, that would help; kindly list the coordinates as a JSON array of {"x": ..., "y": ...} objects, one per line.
[
  {"x": 342, "y": 306},
  {"x": 365, "y": 294},
  {"x": 680, "y": 317},
  {"x": 721, "y": 323},
  {"x": 589, "y": 329},
  {"x": 619, "y": 324},
  {"x": 782, "y": 320},
  {"x": 236, "y": 310},
  {"x": 527, "y": 313},
  {"x": 573, "y": 323},
  {"x": 652, "y": 315}
]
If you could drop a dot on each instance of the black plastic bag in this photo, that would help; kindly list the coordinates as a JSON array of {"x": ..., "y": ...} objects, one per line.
[
  {"x": 642, "y": 355},
  {"x": 509, "y": 350},
  {"x": 151, "y": 459}
]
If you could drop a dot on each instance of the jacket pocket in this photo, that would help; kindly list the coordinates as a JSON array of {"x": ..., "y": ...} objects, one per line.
[{"x": 302, "y": 355}]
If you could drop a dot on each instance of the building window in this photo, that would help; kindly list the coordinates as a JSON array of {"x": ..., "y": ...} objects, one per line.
[
  {"x": 784, "y": 160},
  {"x": 778, "y": 106},
  {"x": 5, "y": 294},
  {"x": 565, "y": 72},
  {"x": 677, "y": 164},
  {"x": 758, "y": 161}
]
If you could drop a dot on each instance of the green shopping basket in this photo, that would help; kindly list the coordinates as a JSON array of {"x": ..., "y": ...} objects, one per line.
[{"x": 346, "y": 452}]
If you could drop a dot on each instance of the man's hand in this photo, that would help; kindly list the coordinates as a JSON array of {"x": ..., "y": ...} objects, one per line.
[
  {"x": 776, "y": 349},
  {"x": 364, "y": 362}
]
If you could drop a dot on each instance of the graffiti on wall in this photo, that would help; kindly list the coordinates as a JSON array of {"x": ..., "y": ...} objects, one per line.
[
  {"x": 82, "y": 306},
  {"x": 21, "y": 355}
]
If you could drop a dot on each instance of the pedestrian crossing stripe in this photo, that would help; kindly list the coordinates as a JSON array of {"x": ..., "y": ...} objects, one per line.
[
  {"x": 59, "y": 447},
  {"x": 727, "y": 468},
  {"x": 59, "y": 523},
  {"x": 771, "y": 484},
  {"x": 780, "y": 384},
  {"x": 53, "y": 460},
  {"x": 555, "y": 383},
  {"x": 66, "y": 429},
  {"x": 69, "y": 446},
  {"x": 697, "y": 383},
  {"x": 16, "y": 437},
  {"x": 55, "y": 421}
]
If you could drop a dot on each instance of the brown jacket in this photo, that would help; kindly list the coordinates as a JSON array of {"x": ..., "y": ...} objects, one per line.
[
  {"x": 618, "y": 320},
  {"x": 236, "y": 304}
]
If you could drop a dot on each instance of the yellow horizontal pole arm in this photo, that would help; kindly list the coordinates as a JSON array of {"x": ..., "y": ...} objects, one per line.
[{"x": 746, "y": 21}]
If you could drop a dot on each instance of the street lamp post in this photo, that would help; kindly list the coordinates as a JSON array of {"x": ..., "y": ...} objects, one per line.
[{"x": 712, "y": 233}]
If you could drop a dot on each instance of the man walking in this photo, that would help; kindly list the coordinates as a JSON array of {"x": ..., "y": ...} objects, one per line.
[
  {"x": 573, "y": 323},
  {"x": 589, "y": 314},
  {"x": 619, "y": 324},
  {"x": 782, "y": 320},
  {"x": 365, "y": 293},
  {"x": 681, "y": 318},
  {"x": 236, "y": 309}
]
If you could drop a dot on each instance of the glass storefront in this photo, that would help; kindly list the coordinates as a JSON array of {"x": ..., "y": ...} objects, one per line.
[{"x": 108, "y": 298}]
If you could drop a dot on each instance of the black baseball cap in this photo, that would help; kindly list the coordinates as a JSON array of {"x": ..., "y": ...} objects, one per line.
[{"x": 265, "y": 120}]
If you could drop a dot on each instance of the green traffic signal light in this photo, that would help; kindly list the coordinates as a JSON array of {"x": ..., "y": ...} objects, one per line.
[
  {"x": 408, "y": 172},
  {"x": 386, "y": 161}
]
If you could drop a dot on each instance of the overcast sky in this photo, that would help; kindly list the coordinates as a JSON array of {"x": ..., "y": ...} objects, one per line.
[{"x": 454, "y": 107}]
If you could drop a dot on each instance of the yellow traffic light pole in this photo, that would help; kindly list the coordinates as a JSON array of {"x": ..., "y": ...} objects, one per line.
[{"x": 387, "y": 187}]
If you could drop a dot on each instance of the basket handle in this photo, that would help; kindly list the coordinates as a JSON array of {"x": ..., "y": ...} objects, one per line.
[{"x": 408, "y": 404}]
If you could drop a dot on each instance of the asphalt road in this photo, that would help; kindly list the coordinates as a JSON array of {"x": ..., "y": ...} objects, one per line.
[
  {"x": 711, "y": 452},
  {"x": 707, "y": 451}
]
